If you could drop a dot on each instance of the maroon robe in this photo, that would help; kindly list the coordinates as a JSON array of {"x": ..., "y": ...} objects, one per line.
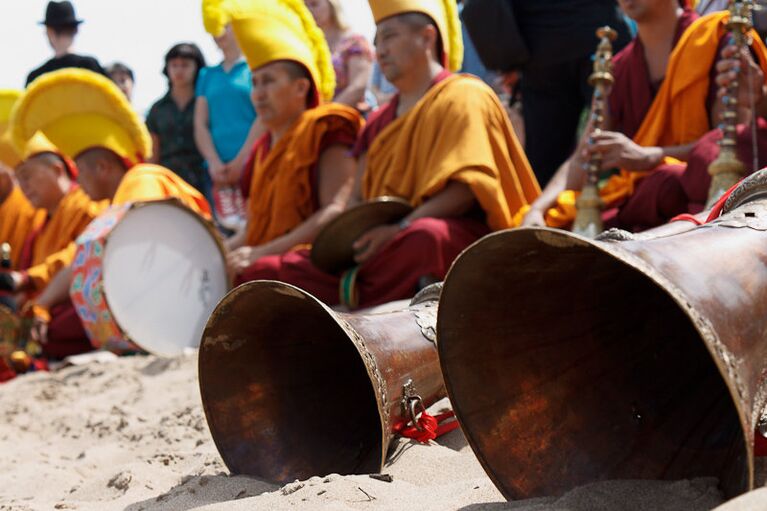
[
  {"x": 66, "y": 335},
  {"x": 659, "y": 196},
  {"x": 669, "y": 190}
]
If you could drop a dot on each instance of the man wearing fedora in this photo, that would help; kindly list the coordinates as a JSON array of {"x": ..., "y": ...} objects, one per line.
[{"x": 61, "y": 24}]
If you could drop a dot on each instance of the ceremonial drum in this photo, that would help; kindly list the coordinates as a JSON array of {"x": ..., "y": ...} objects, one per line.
[{"x": 146, "y": 277}]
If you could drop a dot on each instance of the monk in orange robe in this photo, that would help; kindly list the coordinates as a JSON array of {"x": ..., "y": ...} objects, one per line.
[
  {"x": 90, "y": 120},
  {"x": 301, "y": 171},
  {"x": 17, "y": 216},
  {"x": 47, "y": 180},
  {"x": 662, "y": 109},
  {"x": 444, "y": 144}
]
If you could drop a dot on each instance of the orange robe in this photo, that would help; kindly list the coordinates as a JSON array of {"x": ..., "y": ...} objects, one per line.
[
  {"x": 458, "y": 131},
  {"x": 282, "y": 194},
  {"x": 148, "y": 182},
  {"x": 678, "y": 114},
  {"x": 18, "y": 218},
  {"x": 51, "y": 247}
]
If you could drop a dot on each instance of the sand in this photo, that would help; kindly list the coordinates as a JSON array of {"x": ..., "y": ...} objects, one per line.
[{"x": 130, "y": 435}]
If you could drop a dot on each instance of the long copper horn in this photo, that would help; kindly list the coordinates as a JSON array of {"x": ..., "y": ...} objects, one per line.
[
  {"x": 569, "y": 360},
  {"x": 292, "y": 389}
]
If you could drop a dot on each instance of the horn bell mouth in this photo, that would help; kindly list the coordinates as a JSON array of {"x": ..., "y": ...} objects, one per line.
[
  {"x": 285, "y": 391},
  {"x": 567, "y": 365}
]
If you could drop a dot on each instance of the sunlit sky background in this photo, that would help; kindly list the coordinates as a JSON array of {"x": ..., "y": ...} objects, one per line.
[{"x": 136, "y": 32}]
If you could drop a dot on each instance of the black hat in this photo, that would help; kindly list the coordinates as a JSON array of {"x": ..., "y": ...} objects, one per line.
[{"x": 60, "y": 14}]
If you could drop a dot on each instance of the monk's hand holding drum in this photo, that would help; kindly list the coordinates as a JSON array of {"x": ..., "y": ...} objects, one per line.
[
  {"x": 239, "y": 259},
  {"x": 372, "y": 241},
  {"x": 619, "y": 151}
]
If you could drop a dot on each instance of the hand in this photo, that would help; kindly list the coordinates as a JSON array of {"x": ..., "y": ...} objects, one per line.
[
  {"x": 40, "y": 318},
  {"x": 372, "y": 241},
  {"x": 734, "y": 65},
  {"x": 534, "y": 218},
  {"x": 619, "y": 151},
  {"x": 240, "y": 259},
  {"x": 218, "y": 173},
  {"x": 234, "y": 171},
  {"x": 11, "y": 281}
]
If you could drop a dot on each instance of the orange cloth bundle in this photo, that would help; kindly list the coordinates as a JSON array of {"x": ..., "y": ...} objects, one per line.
[
  {"x": 147, "y": 182},
  {"x": 416, "y": 155}
]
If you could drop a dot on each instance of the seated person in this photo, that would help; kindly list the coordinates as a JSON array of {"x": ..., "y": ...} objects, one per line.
[
  {"x": 300, "y": 173},
  {"x": 662, "y": 108},
  {"x": 90, "y": 120},
  {"x": 17, "y": 216},
  {"x": 47, "y": 179},
  {"x": 444, "y": 144}
]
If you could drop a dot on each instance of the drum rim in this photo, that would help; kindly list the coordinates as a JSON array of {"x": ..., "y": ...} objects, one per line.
[{"x": 206, "y": 224}]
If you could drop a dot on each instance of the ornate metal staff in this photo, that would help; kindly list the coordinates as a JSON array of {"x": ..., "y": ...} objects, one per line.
[
  {"x": 588, "y": 220},
  {"x": 727, "y": 169}
]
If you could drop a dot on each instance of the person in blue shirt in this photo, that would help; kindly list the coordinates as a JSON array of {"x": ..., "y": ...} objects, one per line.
[{"x": 225, "y": 126}]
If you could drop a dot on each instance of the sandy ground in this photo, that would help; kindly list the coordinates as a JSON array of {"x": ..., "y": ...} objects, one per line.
[{"x": 131, "y": 435}]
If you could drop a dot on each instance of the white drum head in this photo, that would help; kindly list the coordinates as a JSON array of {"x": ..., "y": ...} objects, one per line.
[{"x": 164, "y": 273}]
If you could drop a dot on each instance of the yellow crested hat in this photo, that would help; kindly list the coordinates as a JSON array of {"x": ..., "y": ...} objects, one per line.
[
  {"x": 8, "y": 153},
  {"x": 77, "y": 110},
  {"x": 40, "y": 144},
  {"x": 271, "y": 30},
  {"x": 443, "y": 12}
]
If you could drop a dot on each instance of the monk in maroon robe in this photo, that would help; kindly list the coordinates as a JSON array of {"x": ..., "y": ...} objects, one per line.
[{"x": 668, "y": 189}]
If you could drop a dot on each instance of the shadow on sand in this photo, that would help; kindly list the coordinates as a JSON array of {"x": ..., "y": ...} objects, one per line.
[{"x": 198, "y": 491}]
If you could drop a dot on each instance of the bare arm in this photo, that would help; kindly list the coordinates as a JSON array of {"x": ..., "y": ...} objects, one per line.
[
  {"x": 356, "y": 197},
  {"x": 453, "y": 201},
  {"x": 335, "y": 170},
  {"x": 57, "y": 290},
  {"x": 236, "y": 241},
  {"x": 359, "y": 69},
  {"x": 204, "y": 140},
  {"x": 155, "y": 158},
  {"x": 236, "y": 166}
]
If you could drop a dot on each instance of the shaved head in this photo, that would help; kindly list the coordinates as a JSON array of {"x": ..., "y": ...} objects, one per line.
[
  {"x": 44, "y": 179},
  {"x": 101, "y": 172}
]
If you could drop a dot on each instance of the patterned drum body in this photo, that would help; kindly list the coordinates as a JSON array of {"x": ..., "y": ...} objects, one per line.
[{"x": 146, "y": 276}]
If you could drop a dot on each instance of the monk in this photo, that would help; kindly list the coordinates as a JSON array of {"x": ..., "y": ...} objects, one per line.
[
  {"x": 17, "y": 216},
  {"x": 47, "y": 179},
  {"x": 444, "y": 144},
  {"x": 662, "y": 109},
  {"x": 89, "y": 119},
  {"x": 300, "y": 173}
]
